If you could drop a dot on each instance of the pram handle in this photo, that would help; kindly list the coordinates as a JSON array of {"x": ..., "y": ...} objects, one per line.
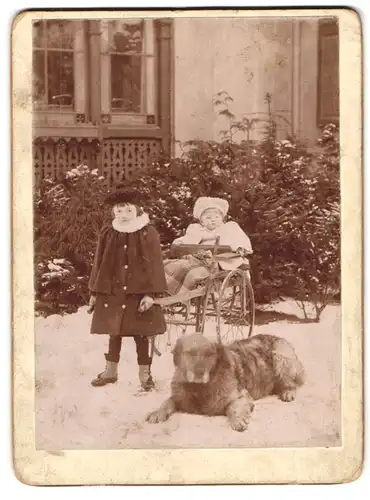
[{"x": 177, "y": 251}]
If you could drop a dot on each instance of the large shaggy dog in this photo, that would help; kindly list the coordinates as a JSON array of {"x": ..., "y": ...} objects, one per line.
[{"x": 212, "y": 379}]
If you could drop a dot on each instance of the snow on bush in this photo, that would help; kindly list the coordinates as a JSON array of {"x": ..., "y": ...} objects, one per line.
[
  {"x": 283, "y": 196},
  {"x": 68, "y": 216}
]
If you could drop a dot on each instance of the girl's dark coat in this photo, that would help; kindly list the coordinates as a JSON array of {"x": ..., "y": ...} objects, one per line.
[{"x": 119, "y": 292}]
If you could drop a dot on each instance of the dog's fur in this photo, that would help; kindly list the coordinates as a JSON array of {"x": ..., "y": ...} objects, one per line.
[{"x": 212, "y": 379}]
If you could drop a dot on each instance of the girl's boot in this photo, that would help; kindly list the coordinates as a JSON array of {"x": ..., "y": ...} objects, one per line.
[
  {"x": 108, "y": 376},
  {"x": 145, "y": 378}
]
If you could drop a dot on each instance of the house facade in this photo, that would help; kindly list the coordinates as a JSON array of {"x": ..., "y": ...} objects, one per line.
[{"x": 115, "y": 93}]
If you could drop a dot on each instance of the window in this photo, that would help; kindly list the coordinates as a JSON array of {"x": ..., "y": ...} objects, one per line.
[
  {"x": 328, "y": 81},
  {"x": 126, "y": 48},
  {"x": 59, "y": 71},
  {"x": 128, "y": 58},
  {"x": 97, "y": 73},
  {"x": 53, "y": 68}
]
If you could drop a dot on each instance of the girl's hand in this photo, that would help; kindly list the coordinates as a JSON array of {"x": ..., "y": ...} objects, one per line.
[
  {"x": 92, "y": 303},
  {"x": 242, "y": 252},
  {"x": 146, "y": 303}
]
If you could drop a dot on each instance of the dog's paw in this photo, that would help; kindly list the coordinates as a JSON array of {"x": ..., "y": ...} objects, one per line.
[
  {"x": 239, "y": 423},
  {"x": 288, "y": 395},
  {"x": 157, "y": 416}
]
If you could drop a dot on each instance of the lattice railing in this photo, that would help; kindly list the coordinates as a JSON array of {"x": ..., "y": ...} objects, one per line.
[
  {"x": 51, "y": 158},
  {"x": 121, "y": 158},
  {"x": 116, "y": 159}
]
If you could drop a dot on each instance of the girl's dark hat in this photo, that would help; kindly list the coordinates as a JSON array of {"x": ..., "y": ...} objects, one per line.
[{"x": 124, "y": 193}]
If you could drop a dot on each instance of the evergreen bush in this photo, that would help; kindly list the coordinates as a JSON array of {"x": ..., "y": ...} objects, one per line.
[{"x": 285, "y": 199}]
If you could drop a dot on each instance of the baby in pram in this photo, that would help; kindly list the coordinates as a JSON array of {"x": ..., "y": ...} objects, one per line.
[{"x": 183, "y": 274}]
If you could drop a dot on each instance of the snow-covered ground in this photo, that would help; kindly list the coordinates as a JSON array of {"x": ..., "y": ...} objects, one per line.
[{"x": 71, "y": 414}]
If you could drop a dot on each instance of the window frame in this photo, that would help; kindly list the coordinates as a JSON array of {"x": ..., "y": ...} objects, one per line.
[
  {"x": 59, "y": 115},
  {"x": 117, "y": 117}
]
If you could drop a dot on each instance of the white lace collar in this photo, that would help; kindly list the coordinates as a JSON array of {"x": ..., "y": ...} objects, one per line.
[{"x": 131, "y": 226}]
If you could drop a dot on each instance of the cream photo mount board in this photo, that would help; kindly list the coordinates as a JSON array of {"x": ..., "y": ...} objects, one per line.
[{"x": 146, "y": 111}]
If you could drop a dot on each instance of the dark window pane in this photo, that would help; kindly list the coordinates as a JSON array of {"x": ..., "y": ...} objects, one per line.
[
  {"x": 60, "y": 34},
  {"x": 38, "y": 34},
  {"x": 126, "y": 83},
  {"x": 126, "y": 36},
  {"x": 38, "y": 76},
  {"x": 60, "y": 78}
]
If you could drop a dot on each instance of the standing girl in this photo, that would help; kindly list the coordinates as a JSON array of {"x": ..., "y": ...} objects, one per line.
[{"x": 127, "y": 274}]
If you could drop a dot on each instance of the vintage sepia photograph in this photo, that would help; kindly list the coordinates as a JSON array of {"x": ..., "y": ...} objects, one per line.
[{"x": 186, "y": 225}]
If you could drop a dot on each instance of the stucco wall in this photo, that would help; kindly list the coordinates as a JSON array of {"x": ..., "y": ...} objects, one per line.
[{"x": 245, "y": 58}]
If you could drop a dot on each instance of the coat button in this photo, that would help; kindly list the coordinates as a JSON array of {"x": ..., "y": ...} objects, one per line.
[
  {"x": 125, "y": 287},
  {"x": 105, "y": 305},
  {"x": 124, "y": 306},
  {"x": 125, "y": 246},
  {"x": 126, "y": 266}
]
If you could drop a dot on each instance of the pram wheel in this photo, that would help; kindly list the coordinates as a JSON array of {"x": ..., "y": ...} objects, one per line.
[{"x": 235, "y": 308}]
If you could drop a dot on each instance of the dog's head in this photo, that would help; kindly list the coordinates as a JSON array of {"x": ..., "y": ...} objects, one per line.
[{"x": 195, "y": 357}]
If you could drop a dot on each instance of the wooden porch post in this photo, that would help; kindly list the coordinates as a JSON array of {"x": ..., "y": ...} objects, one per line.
[
  {"x": 164, "y": 36},
  {"x": 95, "y": 76},
  {"x": 93, "y": 56}
]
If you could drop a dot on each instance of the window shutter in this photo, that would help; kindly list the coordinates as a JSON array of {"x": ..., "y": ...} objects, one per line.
[{"x": 328, "y": 80}]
